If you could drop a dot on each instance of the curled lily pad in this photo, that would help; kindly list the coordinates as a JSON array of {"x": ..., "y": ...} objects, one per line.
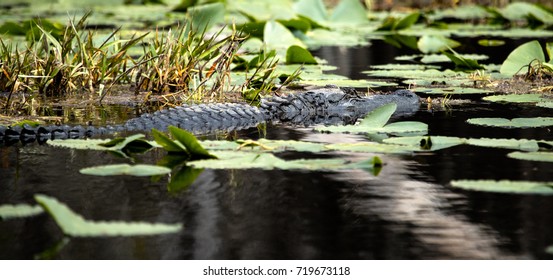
[
  {"x": 535, "y": 156},
  {"x": 513, "y": 123},
  {"x": 9, "y": 211},
  {"x": 126, "y": 169},
  {"x": 518, "y": 60},
  {"x": 73, "y": 224},
  {"x": 505, "y": 186}
]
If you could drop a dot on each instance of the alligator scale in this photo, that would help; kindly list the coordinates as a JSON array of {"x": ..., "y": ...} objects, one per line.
[{"x": 329, "y": 105}]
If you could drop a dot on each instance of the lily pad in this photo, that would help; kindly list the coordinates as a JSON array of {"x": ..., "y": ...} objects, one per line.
[
  {"x": 267, "y": 161},
  {"x": 517, "y": 98},
  {"x": 126, "y": 169},
  {"x": 505, "y": 186},
  {"x": 534, "y": 156},
  {"x": 518, "y": 60},
  {"x": 371, "y": 147},
  {"x": 436, "y": 142},
  {"x": 299, "y": 55},
  {"x": 8, "y": 211},
  {"x": 513, "y": 123},
  {"x": 516, "y": 144},
  {"x": 374, "y": 123},
  {"x": 451, "y": 90},
  {"x": 436, "y": 43},
  {"x": 73, "y": 224}
]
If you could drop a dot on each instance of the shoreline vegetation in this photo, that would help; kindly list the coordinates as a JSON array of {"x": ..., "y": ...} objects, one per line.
[{"x": 214, "y": 51}]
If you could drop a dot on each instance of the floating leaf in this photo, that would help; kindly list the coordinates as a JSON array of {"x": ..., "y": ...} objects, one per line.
[
  {"x": 299, "y": 55},
  {"x": 535, "y": 156},
  {"x": 126, "y": 169},
  {"x": 517, "y": 144},
  {"x": 436, "y": 43},
  {"x": 8, "y": 211},
  {"x": 451, "y": 90},
  {"x": 518, "y": 60},
  {"x": 517, "y": 98},
  {"x": 438, "y": 142},
  {"x": 505, "y": 186},
  {"x": 73, "y": 224},
  {"x": 247, "y": 160},
  {"x": 514, "y": 123},
  {"x": 81, "y": 144},
  {"x": 371, "y": 147},
  {"x": 490, "y": 43}
]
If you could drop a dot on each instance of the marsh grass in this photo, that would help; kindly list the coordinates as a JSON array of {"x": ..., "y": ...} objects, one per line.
[{"x": 176, "y": 65}]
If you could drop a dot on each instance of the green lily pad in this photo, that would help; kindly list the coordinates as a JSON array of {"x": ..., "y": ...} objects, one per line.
[
  {"x": 8, "y": 211},
  {"x": 451, "y": 90},
  {"x": 81, "y": 144},
  {"x": 436, "y": 43},
  {"x": 73, "y": 224},
  {"x": 249, "y": 160},
  {"x": 518, "y": 60},
  {"x": 517, "y": 98},
  {"x": 348, "y": 83},
  {"x": 535, "y": 156},
  {"x": 514, "y": 123},
  {"x": 516, "y": 144},
  {"x": 548, "y": 104},
  {"x": 126, "y": 169},
  {"x": 299, "y": 55},
  {"x": 374, "y": 123},
  {"x": 436, "y": 142},
  {"x": 371, "y": 147},
  {"x": 505, "y": 186}
]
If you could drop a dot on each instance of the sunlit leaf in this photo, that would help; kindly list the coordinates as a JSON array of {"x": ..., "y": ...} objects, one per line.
[
  {"x": 513, "y": 123},
  {"x": 189, "y": 141},
  {"x": 435, "y": 43},
  {"x": 517, "y": 98},
  {"x": 277, "y": 36},
  {"x": 371, "y": 147},
  {"x": 437, "y": 142},
  {"x": 167, "y": 143},
  {"x": 73, "y": 224},
  {"x": 9, "y": 211},
  {"x": 519, "y": 59},
  {"x": 350, "y": 12},
  {"x": 312, "y": 9},
  {"x": 126, "y": 169},
  {"x": 534, "y": 156},
  {"x": 462, "y": 63},
  {"x": 490, "y": 43},
  {"x": 505, "y": 186},
  {"x": 451, "y": 90}
]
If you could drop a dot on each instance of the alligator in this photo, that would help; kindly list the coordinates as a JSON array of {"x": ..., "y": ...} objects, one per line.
[{"x": 328, "y": 105}]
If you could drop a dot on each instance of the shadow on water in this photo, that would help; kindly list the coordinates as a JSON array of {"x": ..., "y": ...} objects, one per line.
[{"x": 407, "y": 212}]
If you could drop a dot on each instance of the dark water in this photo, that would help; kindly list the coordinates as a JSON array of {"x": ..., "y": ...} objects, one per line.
[{"x": 408, "y": 211}]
